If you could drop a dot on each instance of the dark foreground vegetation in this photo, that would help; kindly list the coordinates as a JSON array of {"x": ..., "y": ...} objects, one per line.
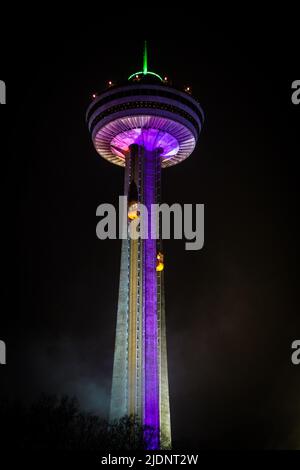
[{"x": 59, "y": 424}]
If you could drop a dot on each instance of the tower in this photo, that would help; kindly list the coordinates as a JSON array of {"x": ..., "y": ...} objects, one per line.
[{"x": 144, "y": 125}]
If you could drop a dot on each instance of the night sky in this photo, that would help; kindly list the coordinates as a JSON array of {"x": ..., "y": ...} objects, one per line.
[{"x": 231, "y": 308}]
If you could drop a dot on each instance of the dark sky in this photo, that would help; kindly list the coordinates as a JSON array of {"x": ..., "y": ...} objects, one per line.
[{"x": 232, "y": 310}]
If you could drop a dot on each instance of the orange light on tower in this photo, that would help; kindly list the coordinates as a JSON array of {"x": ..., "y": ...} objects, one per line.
[
  {"x": 133, "y": 212},
  {"x": 160, "y": 262}
]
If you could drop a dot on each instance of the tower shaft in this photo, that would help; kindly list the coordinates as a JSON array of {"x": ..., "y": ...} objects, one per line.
[{"x": 140, "y": 375}]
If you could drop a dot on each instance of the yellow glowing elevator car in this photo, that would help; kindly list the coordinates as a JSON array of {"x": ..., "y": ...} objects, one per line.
[
  {"x": 133, "y": 212},
  {"x": 133, "y": 206},
  {"x": 159, "y": 262}
]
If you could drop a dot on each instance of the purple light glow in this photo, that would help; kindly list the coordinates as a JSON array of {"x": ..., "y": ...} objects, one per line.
[
  {"x": 151, "y": 374},
  {"x": 149, "y": 138},
  {"x": 177, "y": 140}
]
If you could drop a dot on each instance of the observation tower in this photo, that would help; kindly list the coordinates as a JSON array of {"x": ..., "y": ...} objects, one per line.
[{"x": 143, "y": 125}]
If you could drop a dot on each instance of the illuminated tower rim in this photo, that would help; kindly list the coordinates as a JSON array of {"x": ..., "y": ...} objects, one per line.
[
  {"x": 147, "y": 89},
  {"x": 141, "y": 106}
]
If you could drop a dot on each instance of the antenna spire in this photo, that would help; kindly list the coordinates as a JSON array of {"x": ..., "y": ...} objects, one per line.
[
  {"x": 145, "y": 71},
  {"x": 145, "y": 67}
]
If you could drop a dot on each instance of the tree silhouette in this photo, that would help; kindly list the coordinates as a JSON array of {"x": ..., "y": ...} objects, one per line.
[{"x": 53, "y": 423}]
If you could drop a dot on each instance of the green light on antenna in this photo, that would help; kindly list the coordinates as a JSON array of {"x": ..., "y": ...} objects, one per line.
[
  {"x": 145, "y": 69},
  {"x": 145, "y": 66}
]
